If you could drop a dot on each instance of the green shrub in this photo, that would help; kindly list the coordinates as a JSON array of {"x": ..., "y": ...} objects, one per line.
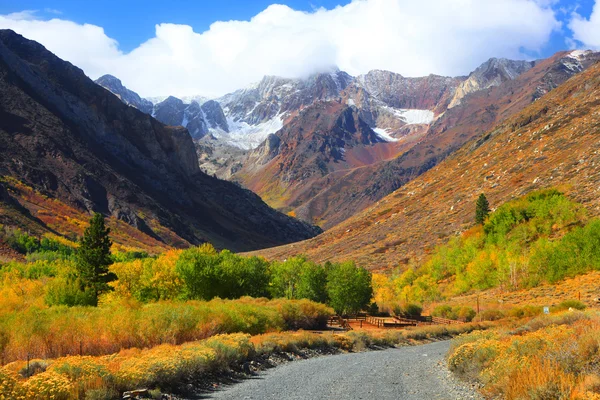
[
  {"x": 27, "y": 244},
  {"x": 524, "y": 312},
  {"x": 207, "y": 274},
  {"x": 67, "y": 291},
  {"x": 571, "y": 304},
  {"x": 541, "y": 237},
  {"x": 466, "y": 314}
]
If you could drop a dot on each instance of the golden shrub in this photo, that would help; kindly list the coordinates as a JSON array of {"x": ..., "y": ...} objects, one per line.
[
  {"x": 49, "y": 385},
  {"x": 10, "y": 386}
]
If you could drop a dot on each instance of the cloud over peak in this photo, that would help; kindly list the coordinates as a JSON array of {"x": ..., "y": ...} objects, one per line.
[{"x": 445, "y": 37}]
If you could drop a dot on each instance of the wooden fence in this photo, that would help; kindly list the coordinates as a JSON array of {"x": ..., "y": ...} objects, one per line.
[
  {"x": 445, "y": 321},
  {"x": 390, "y": 322}
]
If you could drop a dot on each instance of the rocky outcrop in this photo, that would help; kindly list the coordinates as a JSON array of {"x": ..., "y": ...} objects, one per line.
[
  {"x": 72, "y": 140},
  {"x": 431, "y": 92},
  {"x": 493, "y": 72},
  {"x": 200, "y": 120},
  {"x": 214, "y": 116}
]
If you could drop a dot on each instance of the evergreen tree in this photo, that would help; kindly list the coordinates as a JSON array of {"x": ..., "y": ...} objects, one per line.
[
  {"x": 93, "y": 259},
  {"x": 482, "y": 209}
]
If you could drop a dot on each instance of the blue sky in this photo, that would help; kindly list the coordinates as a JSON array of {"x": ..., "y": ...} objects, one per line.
[
  {"x": 132, "y": 22},
  {"x": 160, "y": 47}
]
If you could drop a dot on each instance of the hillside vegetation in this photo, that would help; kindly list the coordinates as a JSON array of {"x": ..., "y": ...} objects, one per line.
[
  {"x": 171, "y": 322},
  {"x": 549, "y": 357},
  {"x": 143, "y": 301},
  {"x": 534, "y": 241}
]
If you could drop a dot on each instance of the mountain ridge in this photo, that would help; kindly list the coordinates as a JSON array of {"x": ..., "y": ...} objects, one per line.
[{"x": 419, "y": 120}]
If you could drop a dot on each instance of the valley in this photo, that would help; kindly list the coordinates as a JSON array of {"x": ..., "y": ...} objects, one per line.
[
  {"x": 415, "y": 235},
  {"x": 269, "y": 137}
]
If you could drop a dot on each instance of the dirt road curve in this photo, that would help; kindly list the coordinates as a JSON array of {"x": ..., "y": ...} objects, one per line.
[{"x": 408, "y": 373}]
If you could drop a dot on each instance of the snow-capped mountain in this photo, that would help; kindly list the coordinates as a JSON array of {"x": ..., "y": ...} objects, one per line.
[
  {"x": 261, "y": 109},
  {"x": 310, "y": 145},
  {"x": 186, "y": 99}
]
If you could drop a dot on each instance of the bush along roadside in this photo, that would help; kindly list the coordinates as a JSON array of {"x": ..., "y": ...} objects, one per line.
[
  {"x": 552, "y": 356},
  {"x": 194, "y": 367}
]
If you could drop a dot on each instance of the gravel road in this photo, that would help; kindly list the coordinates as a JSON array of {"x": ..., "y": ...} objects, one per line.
[{"x": 407, "y": 373}]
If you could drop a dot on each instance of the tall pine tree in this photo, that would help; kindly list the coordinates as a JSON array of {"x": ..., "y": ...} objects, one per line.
[
  {"x": 482, "y": 209},
  {"x": 93, "y": 259}
]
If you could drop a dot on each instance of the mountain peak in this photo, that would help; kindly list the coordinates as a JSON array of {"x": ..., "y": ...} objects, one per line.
[
  {"x": 109, "y": 79},
  {"x": 501, "y": 67},
  {"x": 491, "y": 73},
  {"x": 129, "y": 97}
]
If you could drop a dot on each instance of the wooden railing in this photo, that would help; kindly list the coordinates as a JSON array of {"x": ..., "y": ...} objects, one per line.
[
  {"x": 429, "y": 320},
  {"x": 389, "y": 322},
  {"x": 445, "y": 321}
]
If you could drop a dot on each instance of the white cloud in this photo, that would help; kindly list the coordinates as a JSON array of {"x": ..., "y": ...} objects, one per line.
[
  {"x": 446, "y": 37},
  {"x": 587, "y": 31},
  {"x": 83, "y": 45}
]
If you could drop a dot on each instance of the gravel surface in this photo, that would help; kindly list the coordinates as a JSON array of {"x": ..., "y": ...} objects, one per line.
[{"x": 407, "y": 373}]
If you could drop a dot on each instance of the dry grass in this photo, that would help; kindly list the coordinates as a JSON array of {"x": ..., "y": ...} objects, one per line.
[
  {"x": 549, "y": 357},
  {"x": 58, "y": 331},
  {"x": 584, "y": 286},
  {"x": 170, "y": 367}
]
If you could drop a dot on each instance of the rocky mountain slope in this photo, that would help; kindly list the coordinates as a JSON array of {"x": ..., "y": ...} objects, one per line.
[
  {"x": 493, "y": 72},
  {"x": 68, "y": 139},
  {"x": 294, "y": 164},
  {"x": 318, "y": 141},
  {"x": 199, "y": 119},
  {"x": 553, "y": 142},
  {"x": 355, "y": 189}
]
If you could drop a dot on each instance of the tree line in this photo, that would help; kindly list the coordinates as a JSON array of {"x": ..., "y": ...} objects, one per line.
[{"x": 203, "y": 273}]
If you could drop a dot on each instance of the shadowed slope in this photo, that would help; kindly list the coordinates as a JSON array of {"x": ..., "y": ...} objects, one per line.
[{"x": 70, "y": 139}]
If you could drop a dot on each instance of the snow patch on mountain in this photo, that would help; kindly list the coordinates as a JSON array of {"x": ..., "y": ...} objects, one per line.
[
  {"x": 198, "y": 99},
  {"x": 383, "y": 134},
  {"x": 156, "y": 99},
  {"x": 246, "y": 136},
  {"x": 412, "y": 116},
  {"x": 579, "y": 54},
  {"x": 573, "y": 64}
]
